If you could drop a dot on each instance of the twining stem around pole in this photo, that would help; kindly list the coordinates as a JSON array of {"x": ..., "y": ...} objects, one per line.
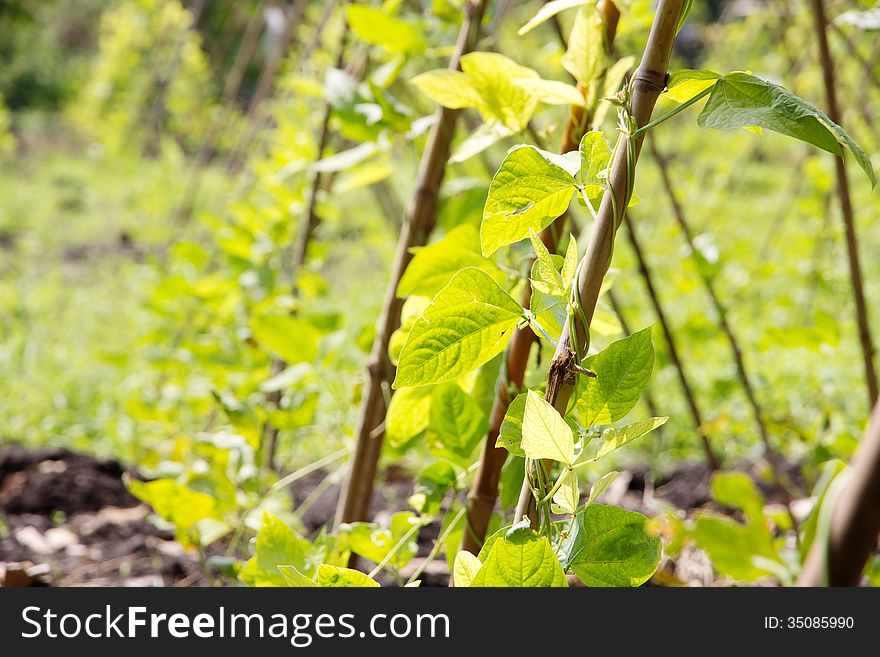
[
  {"x": 839, "y": 557},
  {"x": 686, "y": 389},
  {"x": 357, "y": 492},
  {"x": 484, "y": 490},
  {"x": 648, "y": 83},
  {"x": 846, "y": 208}
]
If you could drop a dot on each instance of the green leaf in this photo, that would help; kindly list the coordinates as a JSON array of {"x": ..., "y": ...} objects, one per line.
[
  {"x": 733, "y": 547},
  {"x": 548, "y": 11},
  {"x": 465, "y": 569},
  {"x": 737, "y": 491},
  {"x": 622, "y": 372},
  {"x": 467, "y": 323},
  {"x": 585, "y": 57},
  {"x": 617, "y": 438},
  {"x": 545, "y": 433},
  {"x": 291, "y": 339},
  {"x": 457, "y": 423},
  {"x": 510, "y": 434},
  {"x": 528, "y": 192},
  {"x": 432, "y": 485},
  {"x": 294, "y": 578},
  {"x": 376, "y": 27},
  {"x": 276, "y": 545},
  {"x": 174, "y": 502},
  {"x": 373, "y": 542},
  {"x": 686, "y": 83},
  {"x": 337, "y": 577},
  {"x": 740, "y": 100},
  {"x": 569, "y": 264},
  {"x": 545, "y": 275},
  {"x": 552, "y": 92},
  {"x": 486, "y": 136},
  {"x": 451, "y": 89},
  {"x": 609, "y": 546},
  {"x": 433, "y": 266},
  {"x": 601, "y": 486},
  {"x": 493, "y": 75},
  {"x": 595, "y": 155},
  {"x": 407, "y": 414},
  {"x": 520, "y": 558},
  {"x": 568, "y": 496}
]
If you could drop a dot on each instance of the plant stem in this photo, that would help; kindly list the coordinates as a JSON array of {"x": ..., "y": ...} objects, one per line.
[
  {"x": 412, "y": 531},
  {"x": 846, "y": 208},
  {"x": 421, "y": 216},
  {"x": 438, "y": 545},
  {"x": 484, "y": 491},
  {"x": 690, "y": 398},
  {"x": 648, "y": 82}
]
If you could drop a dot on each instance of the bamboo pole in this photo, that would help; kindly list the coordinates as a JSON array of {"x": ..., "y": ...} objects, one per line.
[
  {"x": 484, "y": 490},
  {"x": 357, "y": 491},
  {"x": 846, "y": 208},
  {"x": 838, "y": 558},
  {"x": 648, "y": 83}
]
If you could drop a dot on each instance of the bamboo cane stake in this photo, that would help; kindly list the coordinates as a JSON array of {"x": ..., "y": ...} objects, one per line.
[
  {"x": 648, "y": 83},
  {"x": 357, "y": 491},
  {"x": 839, "y": 558},
  {"x": 484, "y": 490}
]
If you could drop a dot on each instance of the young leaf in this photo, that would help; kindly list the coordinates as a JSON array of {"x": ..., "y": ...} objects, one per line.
[
  {"x": 622, "y": 372},
  {"x": 467, "y": 323},
  {"x": 569, "y": 265},
  {"x": 569, "y": 494},
  {"x": 434, "y": 265},
  {"x": 617, "y": 438},
  {"x": 465, "y": 569},
  {"x": 609, "y": 546},
  {"x": 510, "y": 434},
  {"x": 585, "y": 57},
  {"x": 551, "y": 92},
  {"x": 546, "y": 277},
  {"x": 740, "y": 100},
  {"x": 373, "y": 542},
  {"x": 595, "y": 155},
  {"x": 601, "y": 486},
  {"x": 276, "y": 545},
  {"x": 178, "y": 504},
  {"x": 738, "y": 491},
  {"x": 376, "y": 27},
  {"x": 289, "y": 338},
  {"x": 732, "y": 546},
  {"x": 520, "y": 558},
  {"x": 530, "y": 190},
  {"x": 548, "y": 11},
  {"x": 452, "y": 89},
  {"x": 293, "y": 577},
  {"x": 545, "y": 433},
  {"x": 407, "y": 415},
  {"x": 686, "y": 83},
  {"x": 457, "y": 424},
  {"x": 493, "y": 75},
  {"x": 336, "y": 577},
  {"x": 432, "y": 485}
]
